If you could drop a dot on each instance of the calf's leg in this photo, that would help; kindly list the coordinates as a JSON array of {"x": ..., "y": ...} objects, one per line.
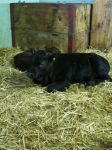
[{"x": 58, "y": 86}]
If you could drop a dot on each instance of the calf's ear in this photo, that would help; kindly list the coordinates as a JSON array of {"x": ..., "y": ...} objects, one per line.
[
  {"x": 50, "y": 56},
  {"x": 52, "y": 53},
  {"x": 52, "y": 50}
]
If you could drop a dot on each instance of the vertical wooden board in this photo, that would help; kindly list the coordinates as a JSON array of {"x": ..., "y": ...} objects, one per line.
[
  {"x": 59, "y": 37},
  {"x": 5, "y": 28},
  {"x": 71, "y": 28},
  {"x": 101, "y": 36},
  {"x": 60, "y": 18},
  {"x": 82, "y": 26},
  {"x": 40, "y": 25}
]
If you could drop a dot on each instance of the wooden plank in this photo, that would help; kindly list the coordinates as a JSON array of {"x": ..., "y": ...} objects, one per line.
[
  {"x": 71, "y": 28},
  {"x": 5, "y": 28},
  {"x": 101, "y": 36},
  {"x": 82, "y": 26},
  {"x": 41, "y": 25}
]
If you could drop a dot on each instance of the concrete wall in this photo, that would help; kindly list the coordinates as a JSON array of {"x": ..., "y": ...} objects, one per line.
[{"x": 5, "y": 26}]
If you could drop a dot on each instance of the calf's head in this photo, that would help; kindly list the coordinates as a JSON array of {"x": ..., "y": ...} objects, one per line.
[{"x": 42, "y": 65}]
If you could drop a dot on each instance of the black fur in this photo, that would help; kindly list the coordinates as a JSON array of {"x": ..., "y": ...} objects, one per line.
[
  {"x": 24, "y": 61},
  {"x": 59, "y": 71}
]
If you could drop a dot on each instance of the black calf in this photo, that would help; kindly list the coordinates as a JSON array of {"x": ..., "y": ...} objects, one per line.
[{"x": 58, "y": 72}]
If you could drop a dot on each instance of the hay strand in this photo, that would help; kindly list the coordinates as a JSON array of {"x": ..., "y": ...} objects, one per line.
[{"x": 32, "y": 119}]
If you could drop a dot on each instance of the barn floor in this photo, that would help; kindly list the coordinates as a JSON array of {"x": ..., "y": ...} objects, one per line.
[{"x": 32, "y": 119}]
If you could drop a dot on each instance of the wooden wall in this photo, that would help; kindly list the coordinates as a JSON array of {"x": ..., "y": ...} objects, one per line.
[
  {"x": 46, "y": 25},
  {"x": 82, "y": 26},
  {"x": 41, "y": 25},
  {"x": 101, "y": 35}
]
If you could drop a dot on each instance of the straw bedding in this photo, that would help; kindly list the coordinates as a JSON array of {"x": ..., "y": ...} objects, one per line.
[{"x": 32, "y": 119}]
